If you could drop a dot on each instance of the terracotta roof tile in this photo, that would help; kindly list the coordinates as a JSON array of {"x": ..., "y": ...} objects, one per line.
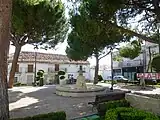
[{"x": 45, "y": 58}]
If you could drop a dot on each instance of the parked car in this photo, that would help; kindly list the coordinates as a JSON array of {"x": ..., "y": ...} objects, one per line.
[{"x": 120, "y": 79}]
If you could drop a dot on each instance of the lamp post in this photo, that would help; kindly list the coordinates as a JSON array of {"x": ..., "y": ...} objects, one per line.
[
  {"x": 35, "y": 62},
  {"x": 111, "y": 71}
]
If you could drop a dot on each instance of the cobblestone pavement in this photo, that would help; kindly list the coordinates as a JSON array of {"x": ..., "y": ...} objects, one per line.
[{"x": 29, "y": 101}]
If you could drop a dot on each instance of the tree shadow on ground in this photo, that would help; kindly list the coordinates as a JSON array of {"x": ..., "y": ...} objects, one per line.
[{"x": 44, "y": 101}]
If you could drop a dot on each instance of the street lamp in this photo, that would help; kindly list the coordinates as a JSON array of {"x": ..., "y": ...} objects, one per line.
[
  {"x": 111, "y": 71},
  {"x": 158, "y": 27},
  {"x": 35, "y": 63}
]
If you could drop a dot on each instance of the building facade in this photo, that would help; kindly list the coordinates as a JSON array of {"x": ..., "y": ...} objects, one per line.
[
  {"x": 128, "y": 68},
  {"x": 29, "y": 62}
]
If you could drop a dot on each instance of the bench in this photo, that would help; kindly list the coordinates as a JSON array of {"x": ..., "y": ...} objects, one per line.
[{"x": 110, "y": 96}]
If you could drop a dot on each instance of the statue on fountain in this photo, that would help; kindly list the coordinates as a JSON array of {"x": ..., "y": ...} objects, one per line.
[{"x": 81, "y": 81}]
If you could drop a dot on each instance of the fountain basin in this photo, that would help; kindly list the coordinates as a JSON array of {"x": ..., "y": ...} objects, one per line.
[{"x": 72, "y": 91}]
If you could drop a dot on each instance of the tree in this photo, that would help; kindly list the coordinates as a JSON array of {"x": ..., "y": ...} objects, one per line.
[
  {"x": 155, "y": 63},
  {"x": 126, "y": 13},
  {"x": 79, "y": 50},
  {"x": 36, "y": 22},
  {"x": 131, "y": 51},
  {"x": 89, "y": 38},
  {"x": 5, "y": 15}
]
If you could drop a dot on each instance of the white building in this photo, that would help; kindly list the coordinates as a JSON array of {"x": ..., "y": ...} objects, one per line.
[
  {"x": 128, "y": 67},
  {"x": 50, "y": 63},
  {"x": 104, "y": 70}
]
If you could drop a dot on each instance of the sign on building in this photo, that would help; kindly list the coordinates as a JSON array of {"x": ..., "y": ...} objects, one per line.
[{"x": 148, "y": 75}]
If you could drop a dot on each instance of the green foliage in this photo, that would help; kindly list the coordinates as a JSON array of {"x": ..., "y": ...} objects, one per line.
[
  {"x": 100, "y": 78},
  {"x": 38, "y": 21},
  {"x": 103, "y": 107},
  {"x": 61, "y": 73},
  {"x": 49, "y": 116},
  {"x": 117, "y": 58},
  {"x": 62, "y": 77},
  {"x": 40, "y": 77},
  {"x": 76, "y": 49},
  {"x": 89, "y": 35},
  {"x": 123, "y": 113},
  {"x": 17, "y": 84},
  {"x": 40, "y": 73},
  {"x": 131, "y": 51},
  {"x": 155, "y": 63}
]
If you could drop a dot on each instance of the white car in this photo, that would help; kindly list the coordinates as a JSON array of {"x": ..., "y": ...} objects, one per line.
[{"x": 120, "y": 78}]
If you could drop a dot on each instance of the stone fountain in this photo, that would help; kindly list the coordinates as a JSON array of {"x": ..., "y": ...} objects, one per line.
[{"x": 80, "y": 89}]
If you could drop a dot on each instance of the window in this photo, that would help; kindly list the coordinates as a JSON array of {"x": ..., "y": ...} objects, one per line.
[
  {"x": 15, "y": 79},
  {"x": 17, "y": 68},
  {"x": 30, "y": 68},
  {"x": 56, "y": 67}
]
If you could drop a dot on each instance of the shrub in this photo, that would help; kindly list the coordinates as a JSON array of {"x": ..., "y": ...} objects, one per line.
[
  {"x": 100, "y": 78},
  {"x": 17, "y": 84},
  {"x": 22, "y": 84},
  {"x": 123, "y": 113},
  {"x": 61, "y": 73},
  {"x": 39, "y": 78},
  {"x": 50, "y": 116},
  {"x": 103, "y": 107},
  {"x": 62, "y": 77}
]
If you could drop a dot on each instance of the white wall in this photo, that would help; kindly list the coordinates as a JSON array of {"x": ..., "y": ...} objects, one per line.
[{"x": 71, "y": 69}]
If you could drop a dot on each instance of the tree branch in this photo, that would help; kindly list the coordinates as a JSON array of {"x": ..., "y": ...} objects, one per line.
[
  {"x": 133, "y": 33},
  {"x": 104, "y": 55}
]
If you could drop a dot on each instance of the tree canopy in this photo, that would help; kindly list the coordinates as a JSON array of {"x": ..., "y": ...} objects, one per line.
[
  {"x": 89, "y": 37},
  {"x": 132, "y": 50},
  {"x": 123, "y": 13},
  {"x": 41, "y": 21},
  {"x": 36, "y": 22}
]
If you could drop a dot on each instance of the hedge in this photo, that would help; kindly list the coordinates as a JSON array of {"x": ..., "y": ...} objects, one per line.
[
  {"x": 123, "y": 113},
  {"x": 103, "y": 107},
  {"x": 50, "y": 116}
]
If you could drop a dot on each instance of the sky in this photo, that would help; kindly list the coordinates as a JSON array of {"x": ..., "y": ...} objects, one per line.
[{"x": 60, "y": 49}]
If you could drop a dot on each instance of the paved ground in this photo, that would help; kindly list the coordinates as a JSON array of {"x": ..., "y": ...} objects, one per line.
[{"x": 27, "y": 101}]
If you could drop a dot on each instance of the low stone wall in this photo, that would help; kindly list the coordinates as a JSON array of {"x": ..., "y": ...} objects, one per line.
[
  {"x": 71, "y": 91},
  {"x": 144, "y": 103}
]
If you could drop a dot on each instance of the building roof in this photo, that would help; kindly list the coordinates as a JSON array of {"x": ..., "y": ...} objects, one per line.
[{"x": 45, "y": 58}]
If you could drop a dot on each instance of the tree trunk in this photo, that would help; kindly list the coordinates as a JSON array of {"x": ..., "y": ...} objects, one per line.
[
  {"x": 5, "y": 15},
  {"x": 96, "y": 70},
  {"x": 14, "y": 65}
]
